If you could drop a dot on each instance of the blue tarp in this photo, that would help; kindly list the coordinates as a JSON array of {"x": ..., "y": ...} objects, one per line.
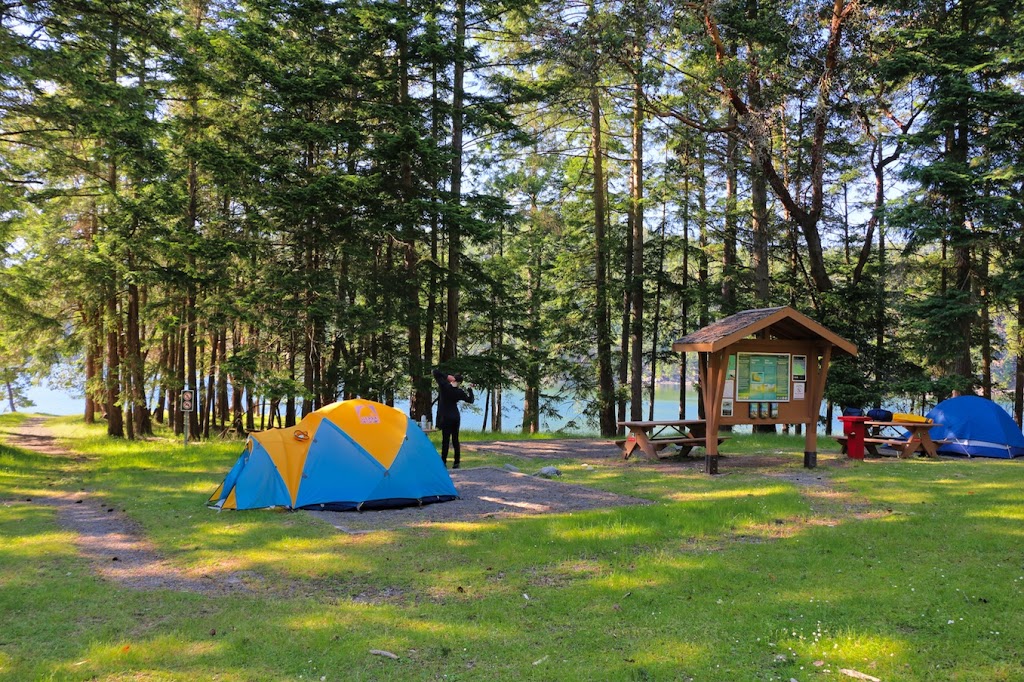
[{"x": 975, "y": 427}]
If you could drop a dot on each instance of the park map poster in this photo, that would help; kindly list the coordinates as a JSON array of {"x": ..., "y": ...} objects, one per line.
[{"x": 762, "y": 377}]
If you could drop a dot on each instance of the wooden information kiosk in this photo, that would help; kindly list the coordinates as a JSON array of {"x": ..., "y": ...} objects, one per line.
[{"x": 763, "y": 366}]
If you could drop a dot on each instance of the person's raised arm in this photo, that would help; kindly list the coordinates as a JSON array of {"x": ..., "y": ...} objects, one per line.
[{"x": 444, "y": 387}]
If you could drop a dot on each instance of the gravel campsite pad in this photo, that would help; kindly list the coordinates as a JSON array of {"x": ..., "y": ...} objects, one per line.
[
  {"x": 485, "y": 493},
  {"x": 541, "y": 448}
]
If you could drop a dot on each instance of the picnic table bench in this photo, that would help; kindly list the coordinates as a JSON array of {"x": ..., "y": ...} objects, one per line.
[
  {"x": 651, "y": 437},
  {"x": 880, "y": 434}
]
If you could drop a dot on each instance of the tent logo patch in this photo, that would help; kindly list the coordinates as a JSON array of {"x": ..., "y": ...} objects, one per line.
[{"x": 366, "y": 414}]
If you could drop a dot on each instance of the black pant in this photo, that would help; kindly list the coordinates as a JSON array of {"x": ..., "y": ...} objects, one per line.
[{"x": 450, "y": 434}]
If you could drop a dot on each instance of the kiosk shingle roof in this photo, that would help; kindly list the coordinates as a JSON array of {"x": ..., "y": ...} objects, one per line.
[{"x": 780, "y": 323}]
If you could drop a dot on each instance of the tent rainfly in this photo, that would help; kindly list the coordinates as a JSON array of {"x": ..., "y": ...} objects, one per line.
[
  {"x": 977, "y": 427},
  {"x": 350, "y": 455}
]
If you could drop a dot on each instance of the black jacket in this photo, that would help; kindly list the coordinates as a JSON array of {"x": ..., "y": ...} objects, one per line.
[{"x": 448, "y": 398}]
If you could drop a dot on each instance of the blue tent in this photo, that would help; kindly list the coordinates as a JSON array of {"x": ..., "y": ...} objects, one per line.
[
  {"x": 351, "y": 455},
  {"x": 975, "y": 427}
]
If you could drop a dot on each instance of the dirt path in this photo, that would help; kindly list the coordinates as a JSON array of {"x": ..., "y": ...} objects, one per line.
[{"x": 110, "y": 540}]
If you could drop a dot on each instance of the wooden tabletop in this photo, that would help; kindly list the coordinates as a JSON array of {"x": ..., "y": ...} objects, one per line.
[{"x": 661, "y": 422}]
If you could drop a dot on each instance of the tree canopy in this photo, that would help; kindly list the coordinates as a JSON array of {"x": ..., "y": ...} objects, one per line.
[{"x": 281, "y": 203}]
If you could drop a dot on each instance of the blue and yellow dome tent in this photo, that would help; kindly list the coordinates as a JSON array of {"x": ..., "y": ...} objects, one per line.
[
  {"x": 350, "y": 455},
  {"x": 977, "y": 427}
]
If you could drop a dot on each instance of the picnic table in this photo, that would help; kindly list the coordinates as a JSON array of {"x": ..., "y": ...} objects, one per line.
[
  {"x": 881, "y": 433},
  {"x": 651, "y": 437}
]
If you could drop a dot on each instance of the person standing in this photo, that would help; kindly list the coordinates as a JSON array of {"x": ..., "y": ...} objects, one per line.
[{"x": 448, "y": 418}]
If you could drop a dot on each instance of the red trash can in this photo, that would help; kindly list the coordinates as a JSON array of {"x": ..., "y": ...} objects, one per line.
[{"x": 854, "y": 430}]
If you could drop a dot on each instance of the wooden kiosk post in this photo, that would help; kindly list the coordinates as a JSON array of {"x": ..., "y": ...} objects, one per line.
[{"x": 763, "y": 366}]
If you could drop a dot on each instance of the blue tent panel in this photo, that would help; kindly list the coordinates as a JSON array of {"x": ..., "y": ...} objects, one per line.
[
  {"x": 975, "y": 427},
  {"x": 337, "y": 470},
  {"x": 417, "y": 474},
  {"x": 259, "y": 484},
  {"x": 230, "y": 480}
]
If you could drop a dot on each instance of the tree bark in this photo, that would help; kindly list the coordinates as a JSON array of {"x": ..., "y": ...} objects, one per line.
[
  {"x": 115, "y": 421},
  {"x": 532, "y": 378},
  {"x": 985, "y": 323},
  {"x": 703, "y": 283},
  {"x": 1018, "y": 388},
  {"x": 417, "y": 372},
  {"x": 636, "y": 219},
  {"x": 730, "y": 266},
  {"x": 605, "y": 381},
  {"x": 136, "y": 369},
  {"x": 451, "y": 339}
]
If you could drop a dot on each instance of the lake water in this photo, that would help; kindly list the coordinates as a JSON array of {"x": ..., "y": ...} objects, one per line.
[{"x": 666, "y": 406}]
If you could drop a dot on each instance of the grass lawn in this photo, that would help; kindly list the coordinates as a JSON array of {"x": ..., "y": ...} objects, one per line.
[{"x": 900, "y": 570}]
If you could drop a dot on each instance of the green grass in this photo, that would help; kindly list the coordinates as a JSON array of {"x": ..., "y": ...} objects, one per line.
[{"x": 916, "y": 574}]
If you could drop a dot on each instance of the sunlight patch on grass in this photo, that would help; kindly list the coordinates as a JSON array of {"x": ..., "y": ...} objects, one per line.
[
  {"x": 1000, "y": 513},
  {"x": 39, "y": 546},
  {"x": 199, "y": 488},
  {"x": 861, "y": 651},
  {"x": 707, "y": 495},
  {"x": 130, "y": 654},
  {"x": 626, "y": 582},
  {"x": 662, "y": 652},
  {"x": 385, "y": 627},
  {"x": 210, "y": 530},
  {"x": 617, "y": 530},
  {"x": 456, "y": 527},
  {"x": 314, "y": 565}
]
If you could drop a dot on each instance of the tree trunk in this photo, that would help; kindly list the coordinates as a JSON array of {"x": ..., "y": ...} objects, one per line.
[
  {"x": 417, "y": 372},
  {"x": 1018, "y": 388},
  {"x": 985, "y": 323},
  {"x": 290, "y": 410},
  {"x": 703, "y": 279},
  {"x": 758, "y": 186},
  {"x": 624, "y": 327},
  {"x": 605, "y": 381},
  {"x": 684, "y": 322},
  {"x": 636, "y": 220},
  {"x": 136, "y": 369},
  {"x": 222, "y": 379},
  {"x": 173, "y": 402},
  {"x": 534, "y": 328},
  {"x": 962, "y": 243},
  {"x": 209, "y": 405},
  {"x": 655, "y": 326},
  {"x": 93, "y": 364},
  {"x": 730, "y": 266},
  {"x": 451, "y": 339},
  {"x": 115, "y": 422}
]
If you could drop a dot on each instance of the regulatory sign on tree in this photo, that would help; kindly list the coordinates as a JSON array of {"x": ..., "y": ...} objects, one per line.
[{"x": 186, "y": 400}]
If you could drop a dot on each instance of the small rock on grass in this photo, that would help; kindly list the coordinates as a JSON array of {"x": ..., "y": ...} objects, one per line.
[{"x": 385, "y": 654}]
